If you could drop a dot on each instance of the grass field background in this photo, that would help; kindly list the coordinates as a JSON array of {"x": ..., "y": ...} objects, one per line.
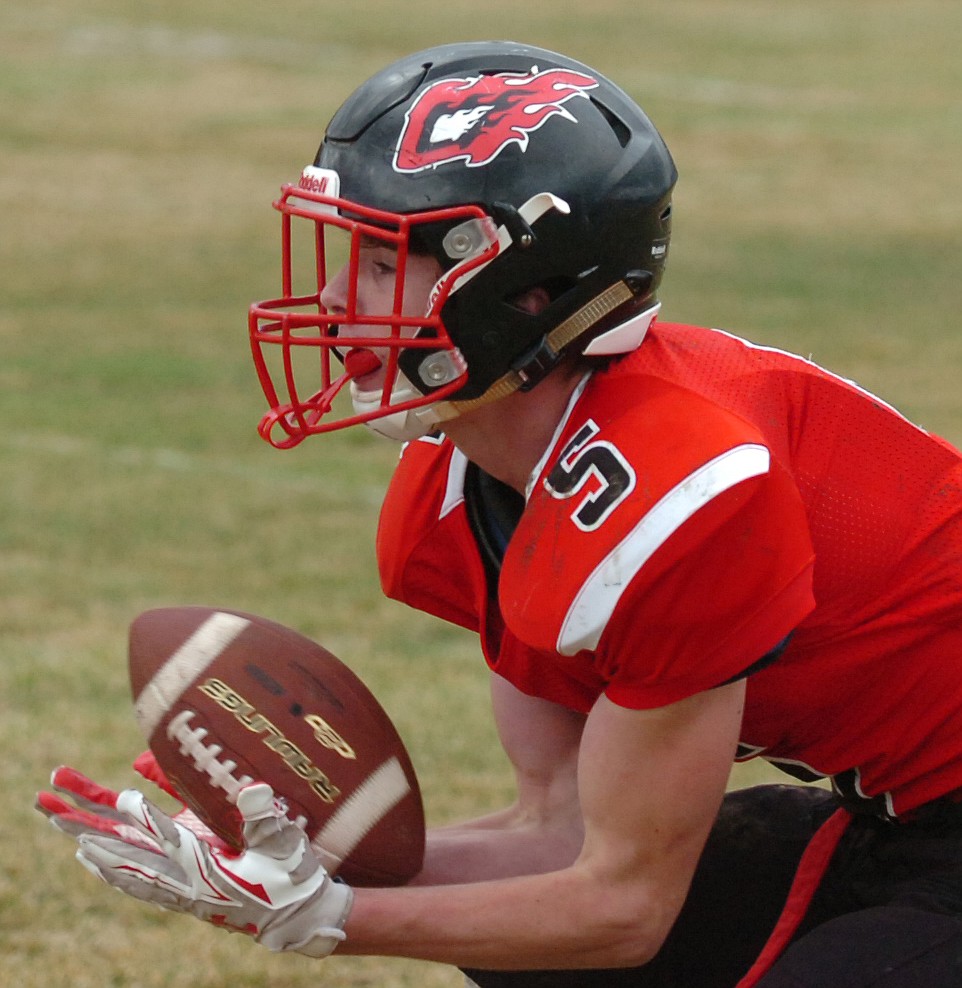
[{"x": 819, "y": 209}]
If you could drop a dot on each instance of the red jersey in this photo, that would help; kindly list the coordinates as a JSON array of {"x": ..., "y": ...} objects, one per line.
[{"x": 702, "y": 500}]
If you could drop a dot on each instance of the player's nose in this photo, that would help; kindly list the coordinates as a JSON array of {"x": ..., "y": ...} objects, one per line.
[{"x": 334, "y": 294}]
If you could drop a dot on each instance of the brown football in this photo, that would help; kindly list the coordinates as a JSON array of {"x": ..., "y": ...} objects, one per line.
[{"x": 225, "y": 698}]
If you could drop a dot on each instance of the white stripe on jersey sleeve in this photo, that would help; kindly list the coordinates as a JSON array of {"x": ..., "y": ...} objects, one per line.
[{"x": 595, "y": 602}]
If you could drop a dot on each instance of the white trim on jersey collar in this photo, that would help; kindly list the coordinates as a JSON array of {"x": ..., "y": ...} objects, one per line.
[
  {"x": 454, "y": 489},
  {"x": 595, "y": 602},
  {"x": 562, "y": 422}
]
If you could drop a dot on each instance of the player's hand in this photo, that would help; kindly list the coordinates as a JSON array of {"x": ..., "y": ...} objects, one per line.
[
  {"x": 93, "y": 808},
  {"x": 275, "y": 890}
]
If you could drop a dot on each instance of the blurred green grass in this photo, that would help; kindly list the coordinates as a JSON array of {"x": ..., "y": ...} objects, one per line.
[{"x": 819, "y": 146}]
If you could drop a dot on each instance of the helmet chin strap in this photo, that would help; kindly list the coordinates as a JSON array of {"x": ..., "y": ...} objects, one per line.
[
  {"x": 623, "y": 338},
  {"x": 404, "y": 426},
  {"x": 413, "y": 423}
]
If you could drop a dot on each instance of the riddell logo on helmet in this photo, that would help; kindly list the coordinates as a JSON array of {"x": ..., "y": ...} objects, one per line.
[
  {"x": 318, "y": 180},
  {"x": 474, "y": 120}
]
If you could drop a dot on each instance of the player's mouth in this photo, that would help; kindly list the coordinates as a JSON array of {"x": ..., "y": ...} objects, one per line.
[{"x": 362, "y": 365}]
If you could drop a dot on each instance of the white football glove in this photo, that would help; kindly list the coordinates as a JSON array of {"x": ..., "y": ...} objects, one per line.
[{"x": 275, "y": 890}]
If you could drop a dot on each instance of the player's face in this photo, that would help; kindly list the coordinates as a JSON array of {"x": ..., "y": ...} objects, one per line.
[{"x": 376, "y": 290}]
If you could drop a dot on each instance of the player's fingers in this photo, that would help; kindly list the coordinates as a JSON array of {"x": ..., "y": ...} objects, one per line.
[
  {"x": 50, "y": 804},
  {"x": 85, "y": 792},
  {"x": 267, "y": 828},
  {"x": 150, "y": 877},
  {"x": 67, "y": 817},
  {"x": 188, "y": 853},
  {"x": 91, "y": 805},
  {"x": 75, "y": 822},
  {"x": 256, "y": 802},
  {"x": 146, "y": 765},
  {"x": 150, "y": 819}
]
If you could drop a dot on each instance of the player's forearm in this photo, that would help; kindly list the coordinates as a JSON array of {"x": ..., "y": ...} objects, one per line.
[
  {"x": 563, "y": 919},
  {"x": 488, "y": 849}
]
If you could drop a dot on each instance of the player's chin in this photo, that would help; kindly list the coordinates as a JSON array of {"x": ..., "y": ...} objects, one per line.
[{"x": 368, "y": 388}]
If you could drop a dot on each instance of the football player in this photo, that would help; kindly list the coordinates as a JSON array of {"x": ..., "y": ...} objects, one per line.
[{"x": 678, "y": 548}]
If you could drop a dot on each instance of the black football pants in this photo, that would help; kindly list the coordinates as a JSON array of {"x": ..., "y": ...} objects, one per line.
[{"x": 887, "y": 914}]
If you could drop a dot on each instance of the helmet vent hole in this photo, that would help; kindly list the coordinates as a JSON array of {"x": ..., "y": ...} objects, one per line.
[{"x": 621, "y": 131}]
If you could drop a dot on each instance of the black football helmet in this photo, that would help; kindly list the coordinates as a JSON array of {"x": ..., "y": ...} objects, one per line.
[{"x": 516, "y": 169}]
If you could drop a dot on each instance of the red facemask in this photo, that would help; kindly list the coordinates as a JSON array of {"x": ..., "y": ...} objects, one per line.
[{"x": 306, "y": 349}]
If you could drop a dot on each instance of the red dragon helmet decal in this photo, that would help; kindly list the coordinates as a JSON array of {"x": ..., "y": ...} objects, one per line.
[{"x": 473, "y": 120}]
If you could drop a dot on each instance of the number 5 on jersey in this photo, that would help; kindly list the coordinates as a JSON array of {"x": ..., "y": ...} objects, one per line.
[{"x": 584, "y": 460}]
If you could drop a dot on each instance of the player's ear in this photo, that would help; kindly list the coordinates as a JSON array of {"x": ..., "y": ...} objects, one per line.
[{"x": 532, "y": 301}]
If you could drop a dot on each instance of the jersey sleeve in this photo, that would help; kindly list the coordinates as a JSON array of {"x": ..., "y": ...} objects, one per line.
[
  {"x": 666, "y": 550},
  {"x": 723, "y": 591}
]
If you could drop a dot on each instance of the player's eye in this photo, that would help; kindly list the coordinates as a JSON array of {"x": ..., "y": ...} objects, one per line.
[{"x": 380, "y": 261}]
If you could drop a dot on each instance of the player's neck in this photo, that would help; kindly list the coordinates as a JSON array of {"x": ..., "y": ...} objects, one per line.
[{"x": 508, "y": 437}]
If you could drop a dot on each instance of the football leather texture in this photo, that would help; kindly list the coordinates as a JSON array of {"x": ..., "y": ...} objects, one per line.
[{"x": 225, "y": 698}]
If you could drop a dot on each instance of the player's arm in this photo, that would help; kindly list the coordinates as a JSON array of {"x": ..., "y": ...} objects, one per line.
[
  {"x": 650, "y": 784},
  {"x": 542, "y": 830}
]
